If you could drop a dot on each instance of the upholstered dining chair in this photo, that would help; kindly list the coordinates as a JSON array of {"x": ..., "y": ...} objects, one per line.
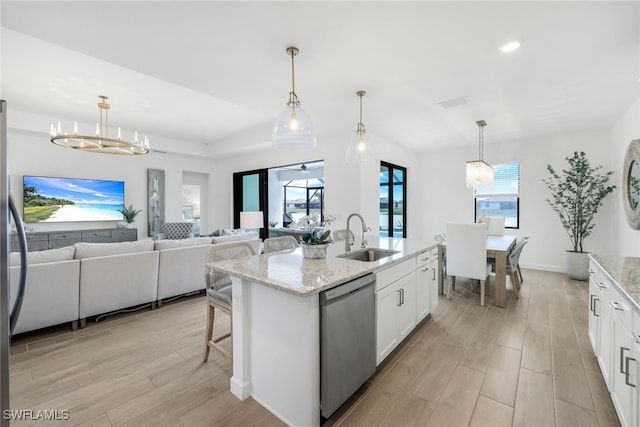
[
  {"x": 467, "y": 255},
  {"x": 276, "y": 244},
  {"x": 219, "y": 294}
]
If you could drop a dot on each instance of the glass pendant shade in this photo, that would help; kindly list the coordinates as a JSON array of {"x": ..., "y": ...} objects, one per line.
[
  {"x": 293, "y": 130},
  {"x": 361, "y": 149},
  {"x": 479, "y": 174}
]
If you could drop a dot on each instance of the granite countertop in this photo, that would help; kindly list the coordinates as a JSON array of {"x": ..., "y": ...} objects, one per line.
[
  {"x": 625, "y": 271},
  {"x": 290, "y": 272}
]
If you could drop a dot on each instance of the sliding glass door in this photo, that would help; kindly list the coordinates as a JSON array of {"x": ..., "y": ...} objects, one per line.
[{"x": 250, "y": 195}]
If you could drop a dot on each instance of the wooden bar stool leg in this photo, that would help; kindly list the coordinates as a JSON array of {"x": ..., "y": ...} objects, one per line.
[{"x": 209, "y": 331}]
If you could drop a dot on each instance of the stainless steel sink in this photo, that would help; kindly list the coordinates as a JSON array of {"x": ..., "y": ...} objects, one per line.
[{"x": 369, "y": 254}]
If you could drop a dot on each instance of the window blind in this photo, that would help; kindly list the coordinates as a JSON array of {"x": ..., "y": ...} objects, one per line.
[{"x": 506, "y": 181}]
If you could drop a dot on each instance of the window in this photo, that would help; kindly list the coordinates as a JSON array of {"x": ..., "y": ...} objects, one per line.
[
  {"x": 503, "y": 198},
  {"x": 393, "y": 196},
  {"x": 303, "y": 197}
]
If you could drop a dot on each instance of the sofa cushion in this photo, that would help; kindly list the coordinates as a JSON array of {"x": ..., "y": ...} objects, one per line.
[
  {"x": 231, "y": 232},
  {"x": 170, "y": 244},
  {"x": 91, "y": 250},
  {"x": 40, "y": 257},
  {"x": 235, "y": 237}
]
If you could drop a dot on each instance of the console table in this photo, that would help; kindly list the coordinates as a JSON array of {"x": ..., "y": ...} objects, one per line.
[{"x": 42, "y": 240}]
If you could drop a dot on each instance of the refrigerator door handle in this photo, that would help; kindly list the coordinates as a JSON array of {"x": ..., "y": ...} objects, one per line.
[{"x": 22, "y": 240}]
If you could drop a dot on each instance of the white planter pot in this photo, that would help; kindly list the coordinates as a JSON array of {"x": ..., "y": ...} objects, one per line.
[
  {"x": 577, "y": 265},
  {"x": 314, "y": 251}
]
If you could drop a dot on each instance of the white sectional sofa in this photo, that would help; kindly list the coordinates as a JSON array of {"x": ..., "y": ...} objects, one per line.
[
  {"x": 89, "y": 279},
  {"x": 52, "y": 291}
]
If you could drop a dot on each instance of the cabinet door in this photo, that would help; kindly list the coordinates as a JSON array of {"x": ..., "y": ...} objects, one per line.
[
  {"x": 604, "y": 312},
  {"x": 434, "y": 280},
  {"x": 593, "y": 317},
  {"x": 624, "y": 375},
  {"x": 423, "y": 291},
  {"x": 387, "y": 303},
  {"x": 407, "y": 308}
]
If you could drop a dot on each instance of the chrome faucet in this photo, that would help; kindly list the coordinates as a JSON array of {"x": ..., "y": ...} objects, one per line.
[{"x": 348, "y": 242}]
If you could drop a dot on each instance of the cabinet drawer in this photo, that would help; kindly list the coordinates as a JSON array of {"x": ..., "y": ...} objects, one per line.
[
  {"x": 36, "y": 245},
  {"x": 124, "y": 234},
  {"x": 424, "y": 258},
  {"x": 36, "y": 237},
  {"x": 89, "y": 234},
  {"x": 389, "y": 275},
  {"x": 68, "y": 235},
  {"x": 620, "y": 305}
]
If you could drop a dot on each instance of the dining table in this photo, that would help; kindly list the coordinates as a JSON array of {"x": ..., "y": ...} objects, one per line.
[{"x": 498, "y": 247}]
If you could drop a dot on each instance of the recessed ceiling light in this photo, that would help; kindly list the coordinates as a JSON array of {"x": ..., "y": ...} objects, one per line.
[{"x": 509, "y": 47}]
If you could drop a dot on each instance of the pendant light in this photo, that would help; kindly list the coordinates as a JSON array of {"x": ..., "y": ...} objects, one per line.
[
  {"x": 479, "y": 173},
  {"x": 293, "y": 130},
  {"x": 361, "y": 148}
]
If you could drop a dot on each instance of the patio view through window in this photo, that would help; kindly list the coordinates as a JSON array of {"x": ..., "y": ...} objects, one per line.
[
  {"x": 303, "y": 197},
  {"x": 393, "y": 191},
  {"x": 503, "y": 198}
]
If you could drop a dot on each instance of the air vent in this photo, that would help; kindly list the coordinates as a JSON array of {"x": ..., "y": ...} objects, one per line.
[{"x": 454, "y": 102}]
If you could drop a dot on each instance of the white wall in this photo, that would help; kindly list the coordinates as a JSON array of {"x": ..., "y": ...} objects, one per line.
[
  {"x": 33, "y": 154},
  {"x": 443, "y": 195},
  {"x": 625, "y": 240}
]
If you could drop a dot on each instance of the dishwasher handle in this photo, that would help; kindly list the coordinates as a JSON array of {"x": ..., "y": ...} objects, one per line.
[{"x": 327, "y": 296}]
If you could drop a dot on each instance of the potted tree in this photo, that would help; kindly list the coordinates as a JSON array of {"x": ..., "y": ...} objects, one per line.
[
  {"x": 576, "y": 195},
  {"x": 129, "y": 214}
]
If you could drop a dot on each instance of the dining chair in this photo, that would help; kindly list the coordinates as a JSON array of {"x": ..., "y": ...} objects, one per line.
[
  {"x": 496, "y": 226},
  {"x": 467, "y": 255},
  {"x": 513, "y": 265},
  {"x": 276, "y": 244},
  {"x": 219, "y": 294}
]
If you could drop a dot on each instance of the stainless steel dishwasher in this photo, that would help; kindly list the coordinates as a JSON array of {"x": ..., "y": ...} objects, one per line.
[{"x": 347, "y": 341}]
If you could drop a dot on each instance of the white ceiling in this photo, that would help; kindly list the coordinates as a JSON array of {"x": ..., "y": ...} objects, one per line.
[{"x": 217, "y": 72}]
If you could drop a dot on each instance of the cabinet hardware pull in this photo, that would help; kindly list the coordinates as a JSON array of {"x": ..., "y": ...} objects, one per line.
[
  {"x": 591, "y": 309},
  {"x": 399, "y": 297},
  {"x": 594, "y": 307},
  {"x": 626, "y": 374},
  {"x": 434, "y": 274},
  {"x": 617, "y": 306},
  {"x": 402, "y": 296},
  {"x": 602, "y": 285},
  {"x": 622, "y": 350},
  {"x": 425, "y": 259},
  {"x": 425, "y": 269}
]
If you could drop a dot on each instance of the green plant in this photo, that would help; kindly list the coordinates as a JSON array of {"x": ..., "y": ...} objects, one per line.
[
  {"x": 315, "y": 237},
  {"x": 576, "y": 195},
  {"x": 129, "y": 213}
]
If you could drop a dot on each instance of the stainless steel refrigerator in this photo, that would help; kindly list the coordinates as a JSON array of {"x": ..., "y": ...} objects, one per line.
[{"x": 8, "y": 315}]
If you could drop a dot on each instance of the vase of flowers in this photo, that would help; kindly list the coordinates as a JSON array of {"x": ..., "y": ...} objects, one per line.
[{"x": 314, "y": 244}]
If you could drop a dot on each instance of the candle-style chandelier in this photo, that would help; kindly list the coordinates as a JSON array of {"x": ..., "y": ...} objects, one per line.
[{"x": 100, "y": 142}]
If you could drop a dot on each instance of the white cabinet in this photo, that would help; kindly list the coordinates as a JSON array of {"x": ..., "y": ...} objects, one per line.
[
  {"x": 427, "y": 279},
  {"x": 395, "y": 306},
  {"x": 423, "y": 285},
  {"x": 612, "y": 322}
]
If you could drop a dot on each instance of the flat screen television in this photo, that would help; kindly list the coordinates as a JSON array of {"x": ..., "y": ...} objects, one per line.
[{"x": 50, "y": 199}]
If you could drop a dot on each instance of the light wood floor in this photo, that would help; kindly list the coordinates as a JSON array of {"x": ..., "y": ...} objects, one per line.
[{"x": 529, "y": 364}]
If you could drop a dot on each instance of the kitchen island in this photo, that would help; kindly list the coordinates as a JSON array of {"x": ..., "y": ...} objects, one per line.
[{"x": 276, "y": 322}]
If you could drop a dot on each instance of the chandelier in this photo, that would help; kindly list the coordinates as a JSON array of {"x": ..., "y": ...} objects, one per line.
[
  {"x": 293, "y": 130},
  {"x": 479, "y": 173},
  {"x": 100, "y": 142},
  {"x": 361, "y": 148}
]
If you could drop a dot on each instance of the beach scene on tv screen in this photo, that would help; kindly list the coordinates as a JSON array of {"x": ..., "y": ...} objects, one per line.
[{"x": 48, "y": 199}]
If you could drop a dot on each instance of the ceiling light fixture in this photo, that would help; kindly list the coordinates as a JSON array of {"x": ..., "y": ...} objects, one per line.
[
  {"x": 293, "y": 130},
  {"x": 509, "y": 47},
  {"x": 479, "y": 173},
  {"x": 361, "y": 148},
  {"x": 100, "y": 142}
]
